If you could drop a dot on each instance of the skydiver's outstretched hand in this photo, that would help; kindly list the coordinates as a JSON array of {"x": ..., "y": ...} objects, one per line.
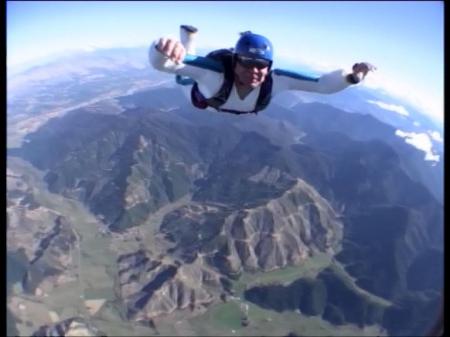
[
  {"x": 172, "y": 49},
  {"x": 361, "y": 69}
]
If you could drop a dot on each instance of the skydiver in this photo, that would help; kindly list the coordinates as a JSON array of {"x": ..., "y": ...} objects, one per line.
[{"x": 240, "y": 80}]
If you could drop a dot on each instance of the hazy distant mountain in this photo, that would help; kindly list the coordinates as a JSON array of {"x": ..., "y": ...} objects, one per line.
[
  {"x": 359, "y": 99},
  {"x": 91, "y": 79},
  {"x": 263, "y": 193},
  {"x": 318, "y": 118}
]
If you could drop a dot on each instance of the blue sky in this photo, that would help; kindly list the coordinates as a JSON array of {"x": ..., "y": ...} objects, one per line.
[{"x": 405, "y": 40}]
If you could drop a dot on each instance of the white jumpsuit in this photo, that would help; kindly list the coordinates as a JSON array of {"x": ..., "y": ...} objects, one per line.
[{"x": 209, "y": 82}]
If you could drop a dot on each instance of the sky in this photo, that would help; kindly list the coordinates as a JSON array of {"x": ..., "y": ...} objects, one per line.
[{"x": 404, "y": 39}]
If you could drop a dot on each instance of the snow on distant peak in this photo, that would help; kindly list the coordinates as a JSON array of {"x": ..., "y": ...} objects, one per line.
[
  {"x": 392, "y": 107},
  {"x": 421, "y": 141}
]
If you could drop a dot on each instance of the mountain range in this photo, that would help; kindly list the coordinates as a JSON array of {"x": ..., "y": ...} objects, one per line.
[{"x": 261, "y": 194}]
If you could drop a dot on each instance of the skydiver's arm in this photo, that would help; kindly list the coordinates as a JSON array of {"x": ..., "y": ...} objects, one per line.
[
  {"x": 326, "y": 84},
  {"x": 205, "y": 72}
]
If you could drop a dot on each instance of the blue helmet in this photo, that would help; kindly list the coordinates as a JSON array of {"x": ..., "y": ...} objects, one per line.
[{"x": 255, "y": 46}]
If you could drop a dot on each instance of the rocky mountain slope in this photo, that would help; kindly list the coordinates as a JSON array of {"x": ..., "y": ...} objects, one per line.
[
  {"x": 75, "y": 326},
  {"x": 151, "y": 286},
  {"x": 42, "y": 236},
  {"x": 271, "y": 235}
]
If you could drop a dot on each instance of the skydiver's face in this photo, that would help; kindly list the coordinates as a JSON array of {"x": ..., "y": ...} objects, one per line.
[{"x": 250, "y": 72}]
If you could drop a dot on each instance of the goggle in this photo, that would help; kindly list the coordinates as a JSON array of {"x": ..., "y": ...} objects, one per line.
[{"x": 250, "y": 62}]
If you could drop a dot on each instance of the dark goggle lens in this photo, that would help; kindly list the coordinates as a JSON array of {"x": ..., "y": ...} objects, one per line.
[{"x": 249, "y": 62}]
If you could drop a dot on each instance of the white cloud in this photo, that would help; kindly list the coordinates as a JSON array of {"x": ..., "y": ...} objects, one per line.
[
  {"x": 436, "y": 136},
  {"x": 421, "y": 141},
  {"x": 392, "y": 107},
  {"x": 431, "y": 105}
]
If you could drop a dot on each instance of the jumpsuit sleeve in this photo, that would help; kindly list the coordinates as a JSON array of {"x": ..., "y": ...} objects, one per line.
[
  {"x": 328, "y": 83},
  {"x": 209, "y": 81}
]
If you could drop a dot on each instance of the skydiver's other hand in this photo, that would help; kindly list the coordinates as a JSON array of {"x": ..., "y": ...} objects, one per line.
[
  {"x": 172, "y": 49},
  {"x": 361, "y": 69}
]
